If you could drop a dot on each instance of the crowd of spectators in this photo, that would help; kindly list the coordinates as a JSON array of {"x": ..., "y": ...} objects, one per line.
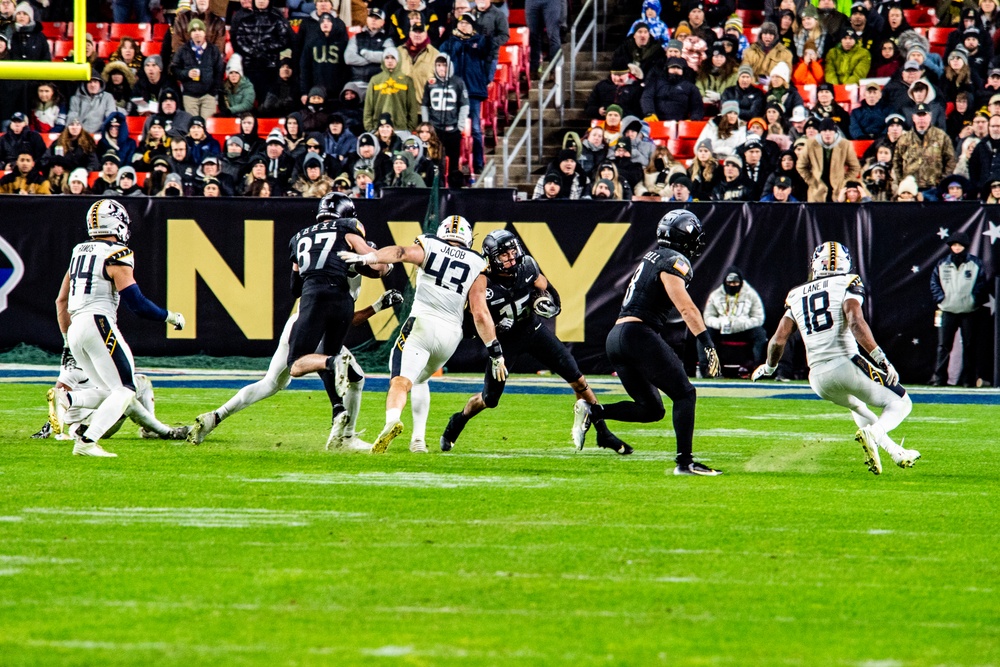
[
  {"x": 381, "y": 105},
  {"x": 919, "y": 127}
]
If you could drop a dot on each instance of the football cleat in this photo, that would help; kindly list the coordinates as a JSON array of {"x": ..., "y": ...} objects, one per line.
[
  {"x": 82, "y": 448},
  {"x": 385, "y": 438},
  {"x": 454, "y": 428},
  {"x": 43, "y": 432},
  {"x": 356, "y": 444},
  {"x": 340, "y": 366},
  {"x": 611, "y": 441},
  {"x": 54, "y": 422},
  {"x": 581, "y": 423},
  {"x": 337, "y": 438},
  {"x": 178, "y": 433},
  {"x": 905, "y": 458},
  {"x": 418, "y": 447},
  {"x": 867, "y": 440},
  {"x": 696, "y": 469},
  {"x": 146, "y": 434},
  {"x": 203, "y": 425}
]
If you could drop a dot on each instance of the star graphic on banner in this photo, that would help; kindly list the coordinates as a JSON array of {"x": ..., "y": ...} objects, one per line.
[
  {"x": 993, "y": 232},
  {"x": 943, "y": 233},
  {"x": 915, "y": 269},
  {"x": 915, "y": 341},
  {"x": 992, "y": 305}
]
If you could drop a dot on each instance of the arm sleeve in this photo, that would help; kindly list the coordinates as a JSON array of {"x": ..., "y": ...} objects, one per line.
[
  {"x": 141, "y": 306},
  {"x": 936, "y": 290},
  {"x": 555, "y": 295}
]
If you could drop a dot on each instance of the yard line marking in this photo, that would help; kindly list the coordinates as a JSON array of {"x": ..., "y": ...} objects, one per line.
[
  {"x": 193, "y": 517},
  {"x": 421, "y": 480},
  {"x": 89, "y": 645}
]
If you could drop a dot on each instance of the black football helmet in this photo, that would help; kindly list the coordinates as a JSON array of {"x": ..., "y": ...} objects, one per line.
[
  {"x": 498, "y": 242},
  {"x": 681, "y": 230},
  {"x": 335, "y": 205}
]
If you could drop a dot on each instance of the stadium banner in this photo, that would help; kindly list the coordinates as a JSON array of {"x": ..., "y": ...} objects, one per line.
[{"x": 225, "y": 263}]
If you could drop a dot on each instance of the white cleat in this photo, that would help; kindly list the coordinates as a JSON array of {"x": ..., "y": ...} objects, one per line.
[
  {"x": 203, "y": 425},
  {"x": 581, "y": 423},
  {"x": 905, "y": 458},
  {"x": 385, "y": 438},
  {"x": 337, "y": 439},
  {"x": 867, "y": 440},
  {"x": 356, "y": 444},
  {"x": 340, "y": 366},
  {"x": 82, "y": 448},
  {"x": 418, "y": 447},
  {"x": 58, "y": 405}
]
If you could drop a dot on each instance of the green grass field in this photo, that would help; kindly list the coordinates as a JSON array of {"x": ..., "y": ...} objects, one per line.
[{"x": 259, "y": 548}]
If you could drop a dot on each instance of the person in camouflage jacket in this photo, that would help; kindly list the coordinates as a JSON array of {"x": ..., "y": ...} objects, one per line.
[{"x": 925, "y": 152}]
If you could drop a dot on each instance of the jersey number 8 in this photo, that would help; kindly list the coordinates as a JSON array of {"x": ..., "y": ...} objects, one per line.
[{"x": 631, "y": 284}]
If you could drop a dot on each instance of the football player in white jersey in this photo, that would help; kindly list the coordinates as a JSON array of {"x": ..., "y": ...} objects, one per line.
[
  {"x": 100, "y": 274},
  {"x": 450, "y": 274},
  {"x": 827, "y": 311}
]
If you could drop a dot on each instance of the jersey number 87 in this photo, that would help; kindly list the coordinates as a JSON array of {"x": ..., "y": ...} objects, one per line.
[{"x": 305, "y": 244}]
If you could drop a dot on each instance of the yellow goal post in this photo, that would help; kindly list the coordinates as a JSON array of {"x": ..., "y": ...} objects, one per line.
[{"x": 78, "y": 70}]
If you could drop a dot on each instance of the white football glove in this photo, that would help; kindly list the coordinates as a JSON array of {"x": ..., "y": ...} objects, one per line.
[
  {"x": 176, "y": 319},
  {"x": 496, "y": 360},
  {"x": 762, "y": 371},
  {"x": 891, "y": 376},
  {"x": 388, "y": 299},
  {"x": 505, "y": 324},
  {"x": 546, "y": 307},
  {"x": 355, "y": 258}
]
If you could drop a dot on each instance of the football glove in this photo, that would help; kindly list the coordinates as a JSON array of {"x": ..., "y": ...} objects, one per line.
[
  {"x": 496, "y": 360},
  {"x": 714, "y": 367},
  {"x": 68, "y": 361},
  {"x": 505, "y": 324},
  {"x": 545, "y": 306},
  {"x": 355, "y": 258},
  {"x": 176, "y": 319},
  {"x": 762, "y": 371},
  {"x": 388, "y": 299},
  {"x": 891, "y": 376}
]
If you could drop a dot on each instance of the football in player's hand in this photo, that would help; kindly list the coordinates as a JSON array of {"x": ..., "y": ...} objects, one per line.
[{"x": 544, "y": 305}]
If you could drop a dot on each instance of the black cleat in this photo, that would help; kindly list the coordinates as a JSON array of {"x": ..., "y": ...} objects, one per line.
[
  {"x": 696, "y": 469},
  {"x": 454, "y": 429},
  {"x": 611, "y": 441},
  {"x": 43, "y": 432}
]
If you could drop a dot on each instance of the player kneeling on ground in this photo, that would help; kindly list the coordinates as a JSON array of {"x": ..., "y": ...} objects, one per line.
[
  {"x": 827, "y": 310},
  {"x": 100, "y": 273},
  {"x": 644, "y": 362},
  {"x": 449, "y": 274},
  {"x": 517, "y": 294}
]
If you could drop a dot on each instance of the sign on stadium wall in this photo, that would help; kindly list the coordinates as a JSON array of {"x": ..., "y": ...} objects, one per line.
[{"x": 224, "y": 263}]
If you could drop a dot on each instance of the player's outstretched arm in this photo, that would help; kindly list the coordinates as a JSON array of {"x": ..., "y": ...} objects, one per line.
[
  {"x": 677, "y": 291},
  {"x": 388, "y": 299},
  {"x": 775, "y": 348},
  {"x": 863, "y": 334},
  {"x": 485, "y": 327},
  {"x": 135, "y": 300},
  {"x": 392, "y": 254}
]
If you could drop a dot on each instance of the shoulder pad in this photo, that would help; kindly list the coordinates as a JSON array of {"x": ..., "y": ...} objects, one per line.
[
  {"x": 351, "y": 226},
  {"x": 532, "y": 266},
  {"x": 855, "y": 286},
  {"x": 678, "y": 265},
  {"x": 121, "y": 256}
]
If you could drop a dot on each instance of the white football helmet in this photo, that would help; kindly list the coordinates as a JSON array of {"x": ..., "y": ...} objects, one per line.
[
  {"x": 455, "y": 228},
  {"x": 830, "y": 259},
  {"x": 107, "y": 217}
]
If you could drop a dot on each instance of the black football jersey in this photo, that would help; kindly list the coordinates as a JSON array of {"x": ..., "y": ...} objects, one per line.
[
  {"x": 511, "y": 296},
  {"x": 645, "y": 297},
  {"x": 315, "y": 250}
]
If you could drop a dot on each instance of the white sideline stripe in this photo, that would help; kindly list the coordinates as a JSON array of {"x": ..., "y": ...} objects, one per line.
[
  {"x": 423, "y": 480},
  {"x": 194, "y": 517},
  {"x": 32, "y": 560},
  {"x": 160, "y": 647}
]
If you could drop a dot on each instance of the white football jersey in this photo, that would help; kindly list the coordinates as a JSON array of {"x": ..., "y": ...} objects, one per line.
[
  {"x": 444, "y": 279},
  {"x": 90, "y": 288},
  {"x": 817, "y": 308}
]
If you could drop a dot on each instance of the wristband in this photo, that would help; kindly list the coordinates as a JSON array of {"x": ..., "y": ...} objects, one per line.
[
  {"x": 494, "y": 349},
  {"x": 65, "y": 339},
  {"x": 705, "y": 339}
]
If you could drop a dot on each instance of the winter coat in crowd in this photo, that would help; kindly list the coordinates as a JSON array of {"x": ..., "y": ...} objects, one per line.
[
  {"x": 321, "y": 62},
  {"x": 364, "y": 53},
  {"x": 750, "y": 99},
  {"x": 671, "y": 98},
  {"x": 417, "y": 62},
  {"x": 843, "y": 165},
  {"x": 124, "y": 146},
  {"x": 32, "y": 183},
  {"x": 215, "y": 29},
  {"x": 742, "y": 313},
  {"x": 846, "y": 67},
  {"x": 493, "y": 24},
  {"x": 208, "y": 63},
  {"x": 10, "y": 145},
  {"x": 28, "y": 43},
  {"x": 984, "y": 165},
  {"x": 657, "y": 28},
  {"x": 722, "y": 147},
  {"x": 470, "y": 56},
  {"x": 92, "y": 109},
  {"x": 261, "y": 37},
  {"x": 341, "y": 146},
  {"x": 122, "y": 91},
  {"x": 763, "y": 61},
  {"x": 649, "y": 58},
  {"x": 735, "y": 190},
  {"x": 283, "y": 97},
  {"x": 446, "y": 102},
  {"x": 606, "y": 93},
  {"x": 407, "y": 178},
  {"x": 392, "y": 92},
  {"x": 307, "y": 187},
  {"x": 868, "y": 122}
]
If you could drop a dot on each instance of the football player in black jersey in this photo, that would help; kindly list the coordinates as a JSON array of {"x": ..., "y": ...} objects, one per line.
[
  {"x": 517, "y": 294},
  {"x": 321, "y": 278},
  {"x": 645, "y": 363}
]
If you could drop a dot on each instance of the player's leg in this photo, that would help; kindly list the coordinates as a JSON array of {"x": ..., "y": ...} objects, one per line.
[
  {"x": 489, "y": 397},
  {"x": 407, "y": 358},
  {"x": 553, "y": 354},
  {"x": 646, "y": 405},
  {"x": 321, "y": 314},
  {"x": 420, "y": 406},
  {"x": 142, "y": 411},
  {"x": 110, "y": 360},
  {"x": 867, "y": 384},
  {"x": 352, "y": 401}
]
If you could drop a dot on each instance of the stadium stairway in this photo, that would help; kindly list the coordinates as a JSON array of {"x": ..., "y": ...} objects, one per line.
[{"x": 588, "y": 74}]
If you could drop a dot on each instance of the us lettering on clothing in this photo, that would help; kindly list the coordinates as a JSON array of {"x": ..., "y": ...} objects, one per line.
[{"x": 327, "y": 54}]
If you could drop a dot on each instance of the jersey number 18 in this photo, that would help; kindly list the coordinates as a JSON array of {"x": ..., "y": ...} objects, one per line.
[{"x": 816, "y": 312}]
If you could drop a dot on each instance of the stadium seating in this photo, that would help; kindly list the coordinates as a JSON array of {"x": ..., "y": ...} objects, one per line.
[
  {"x": 62, "y": 49},
  {"x": 690, "y": 129},
  {"x": 137, "y": 31},
  {"x": 222, "y": 126},
  {"x": 662, "y": 130},
  {"x": 682, "y": 148},
  {"x": 135, "y": 125},
  {"x": 105, "y": 49},
  {"x": 920, "y": 16}
]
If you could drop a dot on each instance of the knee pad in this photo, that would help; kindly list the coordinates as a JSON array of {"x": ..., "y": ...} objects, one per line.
[{"x": 490, "y": 400}]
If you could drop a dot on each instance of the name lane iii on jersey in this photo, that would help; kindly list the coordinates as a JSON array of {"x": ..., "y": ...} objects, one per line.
[{"x": 818, "y": 310}]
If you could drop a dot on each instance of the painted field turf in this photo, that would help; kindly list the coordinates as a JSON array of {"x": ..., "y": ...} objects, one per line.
[{"x": 259, "y": 548}]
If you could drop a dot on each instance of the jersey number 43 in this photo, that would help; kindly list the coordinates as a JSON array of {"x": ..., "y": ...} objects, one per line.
[{"x": 459, "y": 272}]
